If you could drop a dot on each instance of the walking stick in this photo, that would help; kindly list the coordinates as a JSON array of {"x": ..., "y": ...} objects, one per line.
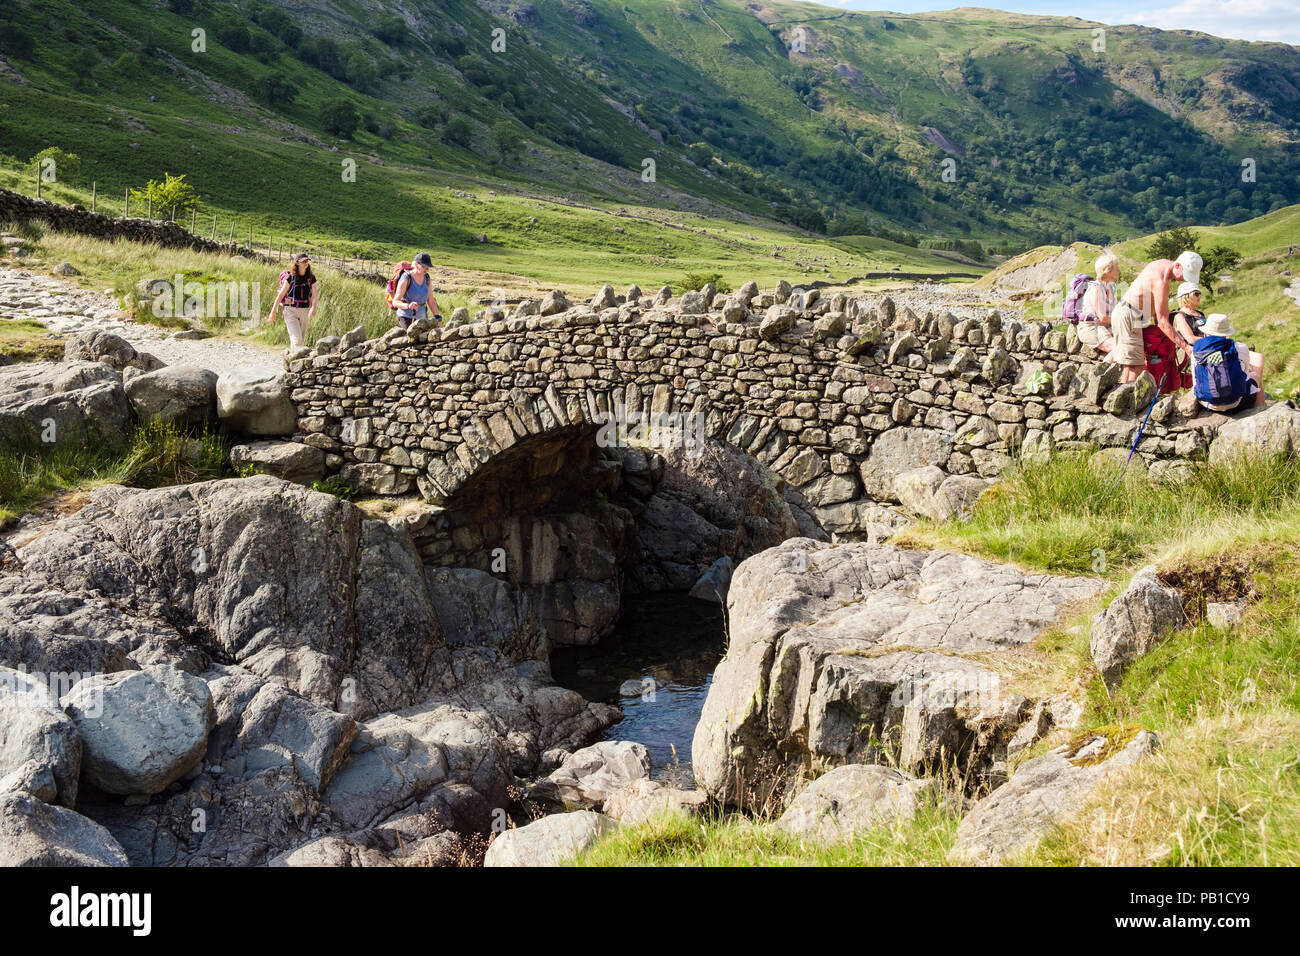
[{"x": 1141, "y": 428}]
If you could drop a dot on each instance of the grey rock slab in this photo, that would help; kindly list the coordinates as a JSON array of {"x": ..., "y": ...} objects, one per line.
[
  {"x": 1041, "y": 794},
  {"x": 550, "y": 840},
  {"x": 34, "y": 833},
  {"x": 40, "y": 751},
  {"x": 853, "y": 798}
]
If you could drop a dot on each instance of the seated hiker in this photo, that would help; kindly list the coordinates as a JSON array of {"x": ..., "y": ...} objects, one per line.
[
  {"x": 1095, "y": 304},
  {"x": 1144, "y": 337},
  {"x": 1228, "y": 375},
  {"x": 412, "y": 297},
  {"x": 1188, "y": 320}
]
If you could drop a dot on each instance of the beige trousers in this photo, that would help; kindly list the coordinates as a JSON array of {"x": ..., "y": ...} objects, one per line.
[{"x": 295, "y": 321}]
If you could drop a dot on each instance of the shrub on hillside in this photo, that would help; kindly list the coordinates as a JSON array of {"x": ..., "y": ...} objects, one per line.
[
  {"x": 694, "y": 281},
  {"x": 339, "y": 118}
]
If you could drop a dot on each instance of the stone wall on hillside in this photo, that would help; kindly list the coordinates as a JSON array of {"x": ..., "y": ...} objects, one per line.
[
  {"x": 18, "y": 208},
  {"x": 835, "y": 395}
]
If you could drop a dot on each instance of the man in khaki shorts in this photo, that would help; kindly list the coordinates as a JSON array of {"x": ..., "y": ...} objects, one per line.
[{"x": 1147, "y": 302}]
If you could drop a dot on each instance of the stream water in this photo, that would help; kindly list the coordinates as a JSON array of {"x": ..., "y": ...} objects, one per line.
[{"x": 674, "y": 639}]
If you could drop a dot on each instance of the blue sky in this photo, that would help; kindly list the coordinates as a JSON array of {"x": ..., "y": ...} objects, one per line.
[{"x": 1277, "y": 20}]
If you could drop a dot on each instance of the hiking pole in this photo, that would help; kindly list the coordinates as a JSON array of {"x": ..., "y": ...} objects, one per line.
[{"x": 1140, "y": 430}]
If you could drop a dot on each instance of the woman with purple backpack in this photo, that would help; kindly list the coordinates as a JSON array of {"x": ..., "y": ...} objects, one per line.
[
  {"x": 1094, "y": 302},
  {"x": 298, "y": 295}
]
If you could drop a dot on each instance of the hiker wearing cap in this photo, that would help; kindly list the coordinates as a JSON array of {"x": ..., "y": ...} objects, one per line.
[
  {"x": 414, "y": 295},
  {"x": 1097, "y": 303},
  {"x": 1228, "y": 376},
  {"x": 296, "y": 299},
  {"x": 1144, "y": 337}
]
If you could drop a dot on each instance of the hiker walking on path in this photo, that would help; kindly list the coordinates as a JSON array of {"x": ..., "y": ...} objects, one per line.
[
  {"x": 1096, "y": 304},
  {"x": 413, "y": 296},
  {"x": 297, "y": 299},
  {"x": 1144, "y": 336}
]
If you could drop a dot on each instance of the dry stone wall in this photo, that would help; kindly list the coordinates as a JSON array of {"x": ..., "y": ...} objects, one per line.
[
  {"x": 19, "y": 208},
  {"x": 837, "y": 395}
]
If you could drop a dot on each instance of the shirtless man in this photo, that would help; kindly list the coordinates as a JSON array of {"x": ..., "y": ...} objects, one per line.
[{"x": 1147, "y": 302}]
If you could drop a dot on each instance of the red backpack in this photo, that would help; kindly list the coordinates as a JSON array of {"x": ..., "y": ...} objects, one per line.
[{"x": 390, "y": 288}]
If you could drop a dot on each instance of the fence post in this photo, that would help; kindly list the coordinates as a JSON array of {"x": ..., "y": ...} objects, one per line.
[
  {"x": 214, "y": 227},
  {"x": 194, "y": 218},
  {"x": 151, "y": 207},
  {"x": 94, "y": 196},
  {"x": 38, "y": 180},
  {"x": 126, "y": 204}
]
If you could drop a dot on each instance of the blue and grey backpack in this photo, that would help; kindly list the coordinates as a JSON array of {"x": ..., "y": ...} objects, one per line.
[{"x": 1219, "y": 377}]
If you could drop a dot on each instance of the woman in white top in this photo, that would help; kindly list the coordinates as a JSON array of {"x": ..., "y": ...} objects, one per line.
[{"x": 1098, "y": 300}]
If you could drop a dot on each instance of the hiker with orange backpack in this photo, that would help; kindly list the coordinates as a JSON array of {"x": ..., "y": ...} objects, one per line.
[{"x": 410, "y": 291}]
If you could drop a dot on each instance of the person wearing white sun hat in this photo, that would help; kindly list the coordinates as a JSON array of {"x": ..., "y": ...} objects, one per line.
[{"x": 1228, "y": 376}]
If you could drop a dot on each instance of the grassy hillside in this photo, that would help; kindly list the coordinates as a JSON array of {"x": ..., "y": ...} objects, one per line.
[{"x": 1050, "y": 139}]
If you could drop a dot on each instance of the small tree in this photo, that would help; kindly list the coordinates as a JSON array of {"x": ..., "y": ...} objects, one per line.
[
  {"x": 504, "y": 140},
  {"x": 275, "y": 90},
  {"x": 459, "y": 131},
  {"x": 172, "y": 195},
  {"x": 340, "y": 118},
  {"x": 1221, "y": 258},
  {"x": 1172, "y": 243}
]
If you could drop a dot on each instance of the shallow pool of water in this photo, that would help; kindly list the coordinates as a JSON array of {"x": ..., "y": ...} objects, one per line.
[{"x": 670, "y": 637}]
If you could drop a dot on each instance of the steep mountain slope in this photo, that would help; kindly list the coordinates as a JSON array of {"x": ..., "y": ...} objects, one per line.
[{"x": 966, "y": 123}]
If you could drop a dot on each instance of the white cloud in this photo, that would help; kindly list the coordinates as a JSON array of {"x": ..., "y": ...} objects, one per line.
[{"x": 1239, "y": 19}]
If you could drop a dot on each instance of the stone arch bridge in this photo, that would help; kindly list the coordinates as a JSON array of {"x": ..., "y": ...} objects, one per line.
[{"x": 836, "y": 395}]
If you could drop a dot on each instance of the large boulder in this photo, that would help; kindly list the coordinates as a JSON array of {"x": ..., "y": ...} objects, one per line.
[
  {"x": 185, "y": 394},
  {"x": 1274, "y": 430},
  {"x": 900, "y": 450},
  {"x": 1136, "y": 621},
  {"x": 98, "y": 345},
  {"x": 1043, "y": 792},
  {"x": 853, "y": 653},
  {"x": 255, "y": 404},
  {"x": 40, "y": 752},
  {"x": 141, "y": 730},
  {"x": 33, "y": 833},
  {"x": 852, "y": 799},
  {"x": 587, "y": 778},
  {"x": 290, "y": 460},
  {"x": 292, "y": 584},
  {"x": 548, "y": 841},
  {"x": 71, "y": 404}
]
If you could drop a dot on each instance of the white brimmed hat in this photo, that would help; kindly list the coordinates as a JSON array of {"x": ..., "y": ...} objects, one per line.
[
  {"x": 1216, "y": 323},
  {"x": 1187, "y": 288}
]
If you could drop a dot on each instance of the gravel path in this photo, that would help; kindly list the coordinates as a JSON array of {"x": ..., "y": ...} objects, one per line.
[{"x": 66, "y": 309}]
